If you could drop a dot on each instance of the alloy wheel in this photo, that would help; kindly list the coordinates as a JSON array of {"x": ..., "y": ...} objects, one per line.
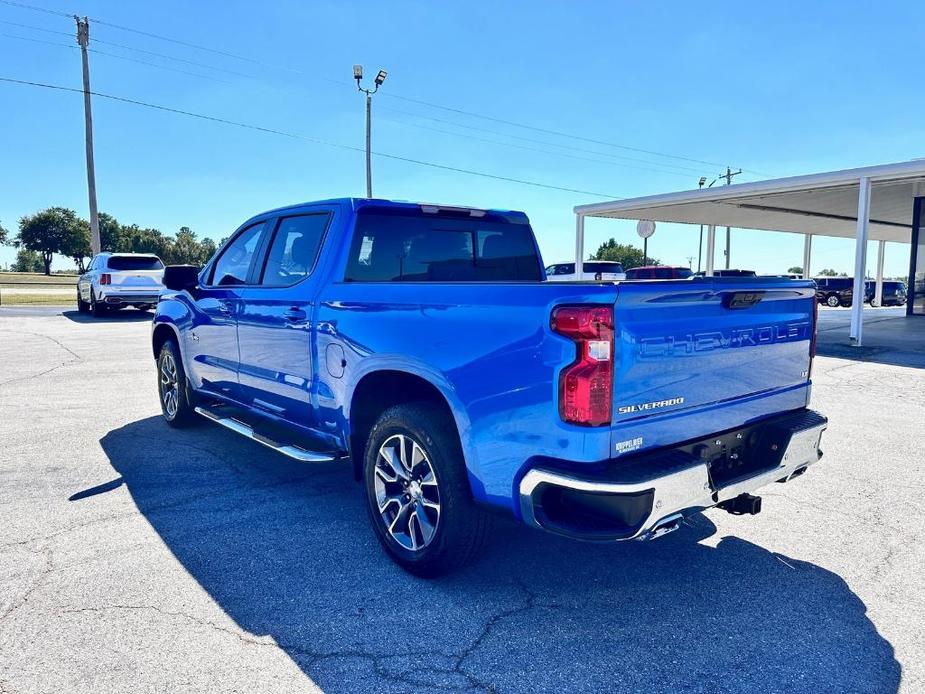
[
  {"x": 170, "y": 390},
  {"x": 407, "y": 493}
]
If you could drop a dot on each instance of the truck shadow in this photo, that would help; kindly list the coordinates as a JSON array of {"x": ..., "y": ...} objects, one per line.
[{"x": 285, "y": 551}]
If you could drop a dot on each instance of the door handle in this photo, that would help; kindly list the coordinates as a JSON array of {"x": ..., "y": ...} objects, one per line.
[{"x": 295, "y": 315}]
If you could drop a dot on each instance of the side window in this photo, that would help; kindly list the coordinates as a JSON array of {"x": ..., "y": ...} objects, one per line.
[
  {"x": 294, "y": 249},
  {"x": 664, "y": 273},
  {"x": 234, "y": 263}
]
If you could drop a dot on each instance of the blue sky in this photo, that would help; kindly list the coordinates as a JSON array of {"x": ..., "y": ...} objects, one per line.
[{"x": 774, "y": 88}]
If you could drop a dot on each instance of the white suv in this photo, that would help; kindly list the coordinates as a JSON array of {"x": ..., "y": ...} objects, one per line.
[{"x": 114, "y": 280}]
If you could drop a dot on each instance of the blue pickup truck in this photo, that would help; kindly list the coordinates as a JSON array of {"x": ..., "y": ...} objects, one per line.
[{"x": 421, "y": 345}]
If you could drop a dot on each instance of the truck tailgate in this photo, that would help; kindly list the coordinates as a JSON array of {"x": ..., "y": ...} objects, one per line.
[{"x": 684, "y": 347}]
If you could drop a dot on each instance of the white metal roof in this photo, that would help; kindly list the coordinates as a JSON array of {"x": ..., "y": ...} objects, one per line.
[{"x": 823, "y": 204}]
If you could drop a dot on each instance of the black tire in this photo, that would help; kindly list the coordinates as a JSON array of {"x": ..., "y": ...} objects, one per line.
[
  {"x": 82, "y": 306},
  {"x": 460, "y": 527},
  {"x": 832, "y": 300},
  {"x": 181, "y": 414},
  {"x": 98, "y": 310}
]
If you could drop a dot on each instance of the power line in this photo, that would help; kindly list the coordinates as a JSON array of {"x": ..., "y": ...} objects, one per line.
[
  {"x": 306, "y": 138},
  {"x": 27, "y": 6},
  {"x": 570, "y": 148},
  {"x": 530, "y": 149},
  {"x": 429, "y": 104},
  {"x": 611, "y": 157},
  {"x": 114, "y": 55}
]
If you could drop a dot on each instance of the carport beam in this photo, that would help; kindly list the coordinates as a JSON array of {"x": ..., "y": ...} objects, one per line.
[
  {"x": 711, "y": 248},
  {"x": 878, "y": 293},
  {"x": 860, "y": 262},
  {"x": 807, "y": 255},
  {"x": 579, "y": 245}
]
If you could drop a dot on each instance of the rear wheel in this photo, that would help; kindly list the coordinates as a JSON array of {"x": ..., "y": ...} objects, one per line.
[
  {"x": 96, "y": 308},
  {"x": 417, "y": 491},
  {"x": 173, "y": 389}
]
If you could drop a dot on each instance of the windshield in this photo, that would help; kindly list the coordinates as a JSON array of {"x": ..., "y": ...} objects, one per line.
[{"x": 134, "y": 262}]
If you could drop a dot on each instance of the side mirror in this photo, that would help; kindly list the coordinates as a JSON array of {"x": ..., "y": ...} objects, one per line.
[{"x": 181, "y": 277}]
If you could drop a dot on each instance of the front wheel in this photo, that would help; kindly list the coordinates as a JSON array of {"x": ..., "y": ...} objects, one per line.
[
  {"x": 82, "y": 306},
  {"x": 173, "y": 389},
  {"x": 832, "y": 301},
  {"x": 417, "y": 491}
]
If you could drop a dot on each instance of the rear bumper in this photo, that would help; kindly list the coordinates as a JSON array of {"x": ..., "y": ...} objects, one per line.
[
  {"x": 133, "y": 297},
  {"x": 647, "y": 496}
]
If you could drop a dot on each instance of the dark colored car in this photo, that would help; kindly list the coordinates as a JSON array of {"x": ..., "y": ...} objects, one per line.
[
  {"x": 658, "y": 272},
  {"x": 894, "y": 293},
  {"x": 730, "y": 273},
  {"x": 834, "y": 291}
]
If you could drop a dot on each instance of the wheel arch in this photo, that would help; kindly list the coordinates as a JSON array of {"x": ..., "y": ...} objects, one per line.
[
  {"x": 162, "y": 333},
  {"x": 376, "y": 391}
]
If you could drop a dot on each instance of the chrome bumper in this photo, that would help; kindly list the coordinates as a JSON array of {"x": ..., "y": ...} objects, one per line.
[{"x": 686, "y": 487}]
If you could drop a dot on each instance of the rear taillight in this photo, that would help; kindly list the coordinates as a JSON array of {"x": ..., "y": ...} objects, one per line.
[
  {"x": 812, "y": 340},
  {"x": 586, "y": 385},
  {"x": 105, "y": 278}
]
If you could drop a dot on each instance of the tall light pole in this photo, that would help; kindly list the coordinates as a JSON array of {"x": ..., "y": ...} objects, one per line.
[
  {"x": 380, "y": 78},
  {"x": 83, "y": 38}
]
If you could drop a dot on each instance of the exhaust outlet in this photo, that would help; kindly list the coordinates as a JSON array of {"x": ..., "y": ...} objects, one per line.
[{"x": 743, "y": 504}]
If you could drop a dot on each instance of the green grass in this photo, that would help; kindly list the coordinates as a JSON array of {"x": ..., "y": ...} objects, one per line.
[
  {"x": 12, "y": 279},
  {"x": 37, "y": 299}
]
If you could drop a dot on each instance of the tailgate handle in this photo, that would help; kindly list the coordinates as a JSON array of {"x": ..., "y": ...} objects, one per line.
[{"x": 739, "y": 300}]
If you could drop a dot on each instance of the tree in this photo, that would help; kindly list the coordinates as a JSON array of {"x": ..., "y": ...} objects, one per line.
[
  {"x": 828, "y": 272},
  {"x": 628, "y": 256},
  {"x": 76, "y": 244},
  {"x": 54, "y": 230},
  {"x": 112, "y": 237},
  {"x": 4, "y": 236},
  {"x": 795, "y": 270},
  {"x": 27, "y": 261}
]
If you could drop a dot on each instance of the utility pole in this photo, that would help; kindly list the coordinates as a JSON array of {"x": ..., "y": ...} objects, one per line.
[
  {"x": 700, "y": 184},
  {"x": 728, "y": 176},
  {"x": 83, "y": 38},
  {"x": 380, "y": 78}
]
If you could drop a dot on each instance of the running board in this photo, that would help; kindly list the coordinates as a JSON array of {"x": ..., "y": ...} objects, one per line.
[{"x": 246, "y": 430}]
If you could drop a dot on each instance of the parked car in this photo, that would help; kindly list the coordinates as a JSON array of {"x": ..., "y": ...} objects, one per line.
[
  {"x": 834, "y": 291},
  {"x": 419, "y": 345},
  {"x": 116, "y": 280},
  {"x": 731, "y": 273},
  {"x": 658, "y": 272},
  {"x": 593, "y": 270},
  {"x": 894, "y": 293}
]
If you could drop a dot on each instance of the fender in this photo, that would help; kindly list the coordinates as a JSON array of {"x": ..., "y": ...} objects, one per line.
[{"x": 436, "y": 378}]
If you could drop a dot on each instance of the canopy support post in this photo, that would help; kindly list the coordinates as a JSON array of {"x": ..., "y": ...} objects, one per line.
[
  {"x": 711, "y": 248},
  {"x": 860, "y": 262},
  {"x": 807, "y": 255},
  {"x": 579, "y": 245},
  {"x": 878, "y": 292}
]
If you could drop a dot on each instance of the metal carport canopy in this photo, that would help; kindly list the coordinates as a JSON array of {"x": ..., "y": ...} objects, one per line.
[{"x": 867, "y": 203}]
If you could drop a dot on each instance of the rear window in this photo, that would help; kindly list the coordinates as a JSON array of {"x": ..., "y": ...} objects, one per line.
[
  {"x": 601, "y": 267},
  {"x": 431, "y": 248},
  {"x": 134, "y": 262}
]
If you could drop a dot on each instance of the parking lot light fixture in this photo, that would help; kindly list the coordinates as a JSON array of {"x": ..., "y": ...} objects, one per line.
[{"x": 380, "y": 78}]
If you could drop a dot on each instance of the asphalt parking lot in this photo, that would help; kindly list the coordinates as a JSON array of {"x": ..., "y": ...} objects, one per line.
[{"x": 135, "y": 558}]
